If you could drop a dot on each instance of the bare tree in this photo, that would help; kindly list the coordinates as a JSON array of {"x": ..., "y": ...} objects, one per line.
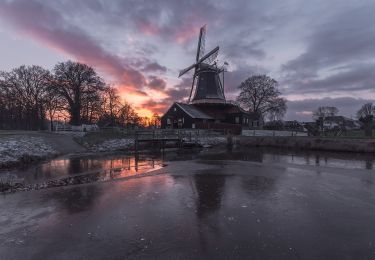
[
  {"x": 155, "y": 120},
  {"x": 80, "y": 86},
  {"x": 366, "y": 115},
  {"x": 325, "y": 111},
  {"x": 30, "y": 94},
  {"x": 367, "y": 109},
  {"x": 127, "y": 115},
  {"x": 110, "y": 106},
  {"x": 53, "y": 104},
  {"x": 23, "y": 91},
  {"x": 260, "y": 94}
]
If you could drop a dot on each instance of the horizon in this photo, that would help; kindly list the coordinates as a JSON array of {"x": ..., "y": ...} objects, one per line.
[{"x": 317, "y": 63}]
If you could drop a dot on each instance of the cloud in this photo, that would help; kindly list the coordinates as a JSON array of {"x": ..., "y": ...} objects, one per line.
[
  {"x": 49, "y": 27},
  {"x": 181, "y": 91},
  {"x": 154, "y": 67},
  {"x": 351, "y": 78},
  {"x": 233, "y": 79},
  {"x": 140, "y": 44},
  {"x": 156, "y": 83},
  {"x": 338, "y": 56}
]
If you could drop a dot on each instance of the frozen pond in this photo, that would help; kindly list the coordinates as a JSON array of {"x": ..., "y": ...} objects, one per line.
[{"x": 257, "y": 204}]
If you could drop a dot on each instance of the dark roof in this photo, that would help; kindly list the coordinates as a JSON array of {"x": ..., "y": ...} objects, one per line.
[{"x": 193, "y": 111}]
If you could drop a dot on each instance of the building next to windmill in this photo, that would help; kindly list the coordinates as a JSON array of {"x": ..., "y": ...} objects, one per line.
[{"x": 207, "y": 107}]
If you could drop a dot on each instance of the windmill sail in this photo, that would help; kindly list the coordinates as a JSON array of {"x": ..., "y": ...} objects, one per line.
[
  {"x": 201, "y": 43},
  {"x": 214, "y": 53},
  {"x": 206, "y": 85}
]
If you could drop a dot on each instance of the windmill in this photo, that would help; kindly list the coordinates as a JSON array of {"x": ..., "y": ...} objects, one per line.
[{"x": 209, "y": 88}]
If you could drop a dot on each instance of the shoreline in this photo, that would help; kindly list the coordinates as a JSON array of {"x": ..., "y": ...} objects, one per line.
[
  {"x": 67, "y": 145},
  {"x": 309, "y": 143}
]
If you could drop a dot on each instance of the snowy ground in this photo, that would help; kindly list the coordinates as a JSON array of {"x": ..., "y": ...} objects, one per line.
[{"x": 22, "y": 148}]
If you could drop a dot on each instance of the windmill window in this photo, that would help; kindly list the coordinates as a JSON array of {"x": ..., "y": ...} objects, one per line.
[
  {"x": 168, "y": 121},
  {"x": 237, "y": 120},
  {"x": 174, "y": 109}
]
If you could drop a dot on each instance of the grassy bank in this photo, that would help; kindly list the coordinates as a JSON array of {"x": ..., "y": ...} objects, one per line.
[{"x": 311, "y": 143}]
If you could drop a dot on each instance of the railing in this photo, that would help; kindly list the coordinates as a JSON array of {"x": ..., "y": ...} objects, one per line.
[{"x": 160, "y": 137}]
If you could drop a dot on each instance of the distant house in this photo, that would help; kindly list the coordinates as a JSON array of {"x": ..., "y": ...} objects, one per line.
[
  {"x": 339, "y": 122},
  {"x": 294, "y": 126},
  {"x": 222, "y": 116}
]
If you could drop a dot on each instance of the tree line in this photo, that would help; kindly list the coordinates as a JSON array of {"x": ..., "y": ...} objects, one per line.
[
  {"x": 30, "y": 96},
  {"x": 260, "y": 94}
]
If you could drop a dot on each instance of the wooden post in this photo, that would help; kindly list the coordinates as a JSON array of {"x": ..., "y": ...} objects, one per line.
[
  {"x": 153, "y": 139},
  {"x": 229, "y": 140},
  {"x": 135, "y": 141}
]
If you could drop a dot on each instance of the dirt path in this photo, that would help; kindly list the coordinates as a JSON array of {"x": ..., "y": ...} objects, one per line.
[{"x": 62, "y": 143}]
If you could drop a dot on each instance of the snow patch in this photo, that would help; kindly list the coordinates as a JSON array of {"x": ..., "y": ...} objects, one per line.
[{"x": 18, "y": 149}]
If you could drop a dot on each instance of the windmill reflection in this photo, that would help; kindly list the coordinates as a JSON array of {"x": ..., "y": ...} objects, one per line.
[
  {"x": 210, "y": 190},
  {"x": 77, "y": 199}
]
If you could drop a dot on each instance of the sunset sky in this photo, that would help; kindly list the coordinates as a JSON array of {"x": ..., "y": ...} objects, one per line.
[{"x": 322, "y": 52}]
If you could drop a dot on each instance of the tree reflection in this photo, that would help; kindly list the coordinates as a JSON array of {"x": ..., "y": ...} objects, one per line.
[
  {"x": 77, "y": 199},
  {"x": 369, "y": 164},
  {"x": 74, "y": 166}
]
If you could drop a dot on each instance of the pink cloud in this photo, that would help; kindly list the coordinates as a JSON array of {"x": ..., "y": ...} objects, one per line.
[{"x": 48, "y": 26}]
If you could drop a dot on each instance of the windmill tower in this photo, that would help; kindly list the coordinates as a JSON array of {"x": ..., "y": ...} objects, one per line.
[{"x": 207, "y": 87}]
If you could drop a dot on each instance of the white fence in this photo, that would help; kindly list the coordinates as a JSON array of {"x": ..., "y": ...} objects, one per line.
[
  {"x": 81, "y": 128},
  {"x": 272, "y": 133}
]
